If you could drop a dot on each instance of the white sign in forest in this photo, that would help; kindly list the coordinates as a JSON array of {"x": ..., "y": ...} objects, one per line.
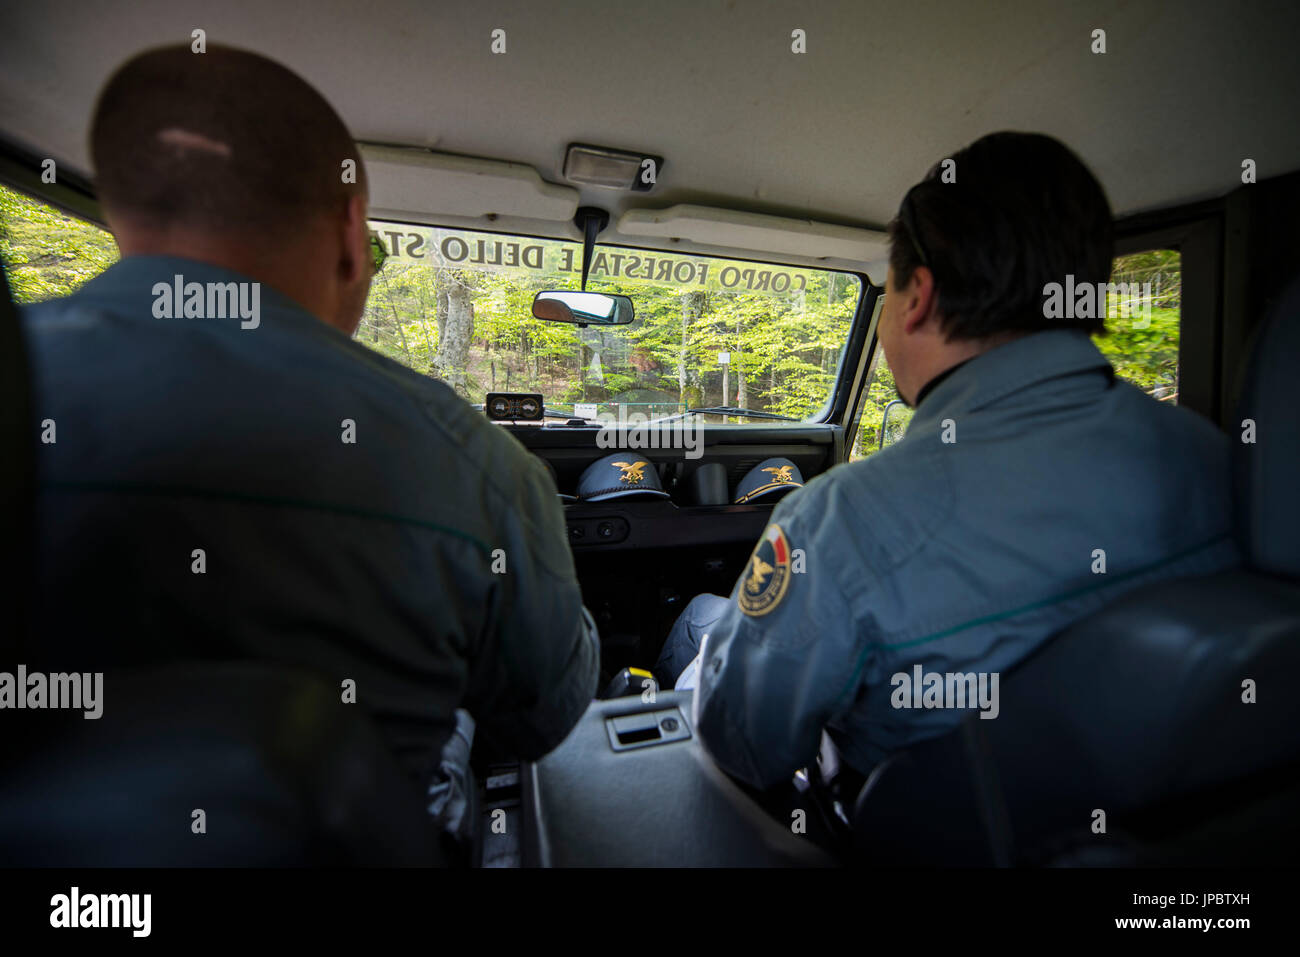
[{"x": 460, "y": 249}]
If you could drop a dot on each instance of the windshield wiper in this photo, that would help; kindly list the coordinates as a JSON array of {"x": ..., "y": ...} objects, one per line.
[
  {"x": 729, "y": 410},
  {"x": 568, "y": 416}
]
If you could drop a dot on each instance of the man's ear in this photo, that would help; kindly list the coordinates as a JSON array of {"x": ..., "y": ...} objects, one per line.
[
  {"x": 919, "y": 299},
  {"x": 354, "y": 256}
]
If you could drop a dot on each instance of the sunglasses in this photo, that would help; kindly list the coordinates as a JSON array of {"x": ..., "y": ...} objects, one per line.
[
  {"x": 378, "y": 251},
  {"x": 907, "y": 217}
]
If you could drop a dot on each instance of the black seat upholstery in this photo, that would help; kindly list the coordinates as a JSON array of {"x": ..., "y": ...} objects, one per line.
[
  {"x": 17, "y": 480},
  {"x": 285, "y": 773},
  {"x": 1267, "y": 471},
  {"x": 1139, "y": 711}
]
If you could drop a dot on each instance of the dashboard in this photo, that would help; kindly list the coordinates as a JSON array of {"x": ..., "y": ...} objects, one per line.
[{"x": 639, "y": 560}]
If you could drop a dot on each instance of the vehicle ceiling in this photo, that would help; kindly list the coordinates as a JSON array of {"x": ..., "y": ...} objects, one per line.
[{"x": 1186, "y": 90}]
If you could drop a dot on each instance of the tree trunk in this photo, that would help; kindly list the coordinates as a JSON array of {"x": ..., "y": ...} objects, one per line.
[
  {"x": 741, "y": 393},
  {"x": 455, "y": 335},
  {"x": 442, "y": 308},
  {"x": 681, "y": 349},
  {"x": 692, "y": 309}
]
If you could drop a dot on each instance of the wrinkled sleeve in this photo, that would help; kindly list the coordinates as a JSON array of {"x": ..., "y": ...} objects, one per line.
[
  {"x": 539, "y": 667},
  {"x": 783, "y": 659}
]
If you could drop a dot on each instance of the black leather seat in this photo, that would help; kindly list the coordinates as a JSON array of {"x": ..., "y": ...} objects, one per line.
[
  {"x": 17, "y": 481},
  {"x": 1138, "y": 711},
  {"x": 285, "y": 773}
]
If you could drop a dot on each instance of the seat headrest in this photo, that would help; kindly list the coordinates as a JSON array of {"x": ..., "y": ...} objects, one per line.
[{"x": 1267, "y": 469}]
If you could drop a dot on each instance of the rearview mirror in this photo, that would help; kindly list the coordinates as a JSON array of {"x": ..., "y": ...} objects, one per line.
[{"x": 584, "y": 308}]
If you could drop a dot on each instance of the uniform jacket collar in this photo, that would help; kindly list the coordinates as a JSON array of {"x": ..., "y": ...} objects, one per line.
[
  {"x": 1020, "y": 364},
  {"x": 129, "y": 283}
]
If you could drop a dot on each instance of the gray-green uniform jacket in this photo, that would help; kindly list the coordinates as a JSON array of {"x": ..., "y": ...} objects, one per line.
[
  {"x": 224, "y": 488},
  {"x": 1032, "y": 487}
]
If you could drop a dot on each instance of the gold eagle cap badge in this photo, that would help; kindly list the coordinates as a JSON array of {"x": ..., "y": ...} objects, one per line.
[
  {"x": 781, "y": 474},
  {"x": 633, "y": 472}
]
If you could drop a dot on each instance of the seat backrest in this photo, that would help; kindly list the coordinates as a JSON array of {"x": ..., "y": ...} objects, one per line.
[
  {"x": 1266, "y": 443},
  {"x": 283, "y": 773},
  {"x": 1132, "y": 709},
  {"x": 1169, "y": 711}
]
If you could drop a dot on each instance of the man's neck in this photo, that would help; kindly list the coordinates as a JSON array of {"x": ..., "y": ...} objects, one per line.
[
  {"x": 275, "y": 265},
  {"x": 963, "y": 352},
  {"x": 929, "y": 386}
]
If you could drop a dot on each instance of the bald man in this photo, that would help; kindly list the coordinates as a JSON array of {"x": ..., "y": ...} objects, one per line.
[{"x": 234, "y": 477}]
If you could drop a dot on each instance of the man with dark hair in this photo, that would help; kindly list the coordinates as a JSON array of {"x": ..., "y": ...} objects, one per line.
[
  {"x": 234, "y": 477},
  {"x": 997, "y": 222},
  {"x": 887, "y": 596}
]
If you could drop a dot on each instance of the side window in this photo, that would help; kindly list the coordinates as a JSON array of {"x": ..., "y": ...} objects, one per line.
[
  {"x": 884, "y": 415},
  {"x": 1143, "y": 309},
  {"x": 46, "y": 252},
  {"x": 1142, "y": 321}
]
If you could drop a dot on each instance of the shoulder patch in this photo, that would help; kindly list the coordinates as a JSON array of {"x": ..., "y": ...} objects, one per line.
[{"x": 767, "y": 576}]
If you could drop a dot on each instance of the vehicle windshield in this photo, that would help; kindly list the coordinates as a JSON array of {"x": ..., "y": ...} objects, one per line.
[{"x": 708, "y": 332}]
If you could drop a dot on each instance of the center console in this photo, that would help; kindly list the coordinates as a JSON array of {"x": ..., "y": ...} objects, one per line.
[{"x": 632, "y": 786}]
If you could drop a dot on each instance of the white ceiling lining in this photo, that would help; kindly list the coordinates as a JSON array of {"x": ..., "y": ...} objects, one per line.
[
  {"x": 1184, "y": 93},
  {"x": 418, "y": 185},
  {"x": 405, "y": 180}
]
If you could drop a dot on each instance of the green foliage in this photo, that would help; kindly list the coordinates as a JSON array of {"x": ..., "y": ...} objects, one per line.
[
  {"x": 1147, "y": 357},
  {"x": 46, "y": 253},
  {"x": 784, "y": 347},
  {"x": 880, "y": 393}
]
